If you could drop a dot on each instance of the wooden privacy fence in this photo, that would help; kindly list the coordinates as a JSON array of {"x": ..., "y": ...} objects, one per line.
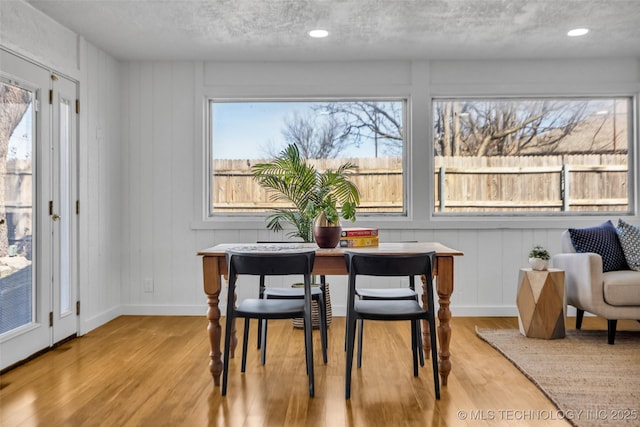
[
  {"x": 379, "y": 181},
  {"x": 462, "y": 184},
  {"x": 18, "y": 205},
  {"x": 531, "y": 183}
]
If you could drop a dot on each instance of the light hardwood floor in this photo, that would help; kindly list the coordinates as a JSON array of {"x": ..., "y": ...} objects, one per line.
[{"x": 153, "y": 371}]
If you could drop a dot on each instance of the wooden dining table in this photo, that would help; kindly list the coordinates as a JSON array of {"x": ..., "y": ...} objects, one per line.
[{"x": 330, "y": 262}]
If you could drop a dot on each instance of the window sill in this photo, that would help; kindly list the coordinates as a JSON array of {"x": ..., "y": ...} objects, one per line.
[{"x": 434, "y": 222}]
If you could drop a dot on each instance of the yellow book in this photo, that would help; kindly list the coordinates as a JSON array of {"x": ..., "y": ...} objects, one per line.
[{"x": 359, "y": 242}]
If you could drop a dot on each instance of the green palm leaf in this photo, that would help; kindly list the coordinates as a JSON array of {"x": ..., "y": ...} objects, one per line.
[{"x": 291, "y": 179}]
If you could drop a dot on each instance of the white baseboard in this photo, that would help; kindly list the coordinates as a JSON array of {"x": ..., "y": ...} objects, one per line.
[
  {"x": 494, "y": 311},
  {"x": 456, "y": 310},
  {"x": 337, "y": 311},
  {"x": 93, "y": 322},
  {"x": 483, "y": 310},
  {"x": 165, "y": 310}
]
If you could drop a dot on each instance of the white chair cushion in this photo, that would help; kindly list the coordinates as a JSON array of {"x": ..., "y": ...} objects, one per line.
[{"x": 622, "y": 288}]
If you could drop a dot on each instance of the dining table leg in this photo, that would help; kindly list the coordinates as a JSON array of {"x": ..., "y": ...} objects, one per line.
[
  {"x": 444, "y": 288},
  {"x": 212, "y": 288}
]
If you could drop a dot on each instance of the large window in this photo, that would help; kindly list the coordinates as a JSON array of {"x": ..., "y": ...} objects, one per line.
[
  {"x": 368, "y": 133},
  {"x": 532, "y": 155}
]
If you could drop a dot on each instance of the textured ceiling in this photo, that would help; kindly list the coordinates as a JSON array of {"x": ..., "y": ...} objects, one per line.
[{"x": 276, "y": 30}]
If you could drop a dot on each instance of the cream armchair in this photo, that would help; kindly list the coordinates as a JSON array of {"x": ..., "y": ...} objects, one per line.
[{"x": 613, "y": 295}]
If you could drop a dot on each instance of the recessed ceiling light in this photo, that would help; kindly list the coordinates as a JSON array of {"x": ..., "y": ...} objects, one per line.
[
  {"x": 576, "y": 32},
  {"x": 318, "y": 34}
]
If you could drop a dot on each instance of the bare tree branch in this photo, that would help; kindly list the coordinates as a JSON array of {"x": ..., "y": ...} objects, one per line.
[
  {"x": 503, "y": 127},
  {"x": 316, "y": 136},
  {"x": 380, "y": 123},
  {"x": 14, "y": 103}
]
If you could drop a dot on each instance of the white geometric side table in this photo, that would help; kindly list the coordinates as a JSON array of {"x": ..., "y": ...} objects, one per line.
[{"x": 541, "y": 303}]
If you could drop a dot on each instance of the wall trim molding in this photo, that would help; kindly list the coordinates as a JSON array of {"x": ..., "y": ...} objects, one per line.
[
  {"x": 164, "y": 310},
  {"x": 337, "y": 311}
]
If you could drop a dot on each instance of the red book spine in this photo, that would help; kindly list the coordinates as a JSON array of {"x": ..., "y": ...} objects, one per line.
[{"x": 359, "y": 232}]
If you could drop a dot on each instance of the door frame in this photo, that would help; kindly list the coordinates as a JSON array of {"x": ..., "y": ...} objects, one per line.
[{"x": 37, "y": 336}]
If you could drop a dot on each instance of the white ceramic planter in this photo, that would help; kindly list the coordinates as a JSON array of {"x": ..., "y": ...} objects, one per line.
[{"x": 539, "y": 263}]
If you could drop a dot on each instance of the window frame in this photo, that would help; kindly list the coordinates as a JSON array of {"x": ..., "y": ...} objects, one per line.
[
  {"x": 365, "y": 218},
  {"x": 483, "y": 215},
  {"x": 535, "y": 220},
  {"x": 418, "y": 83}
]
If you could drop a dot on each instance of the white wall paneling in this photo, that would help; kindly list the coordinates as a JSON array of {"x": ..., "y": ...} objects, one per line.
[
  {"x": 495, "y": 249},
  {"x": 31, "y": 34},
  {"x": 141, "y": 145},
  {"x": 158, "y": 135},
  {"x": 100, "y": 183}
]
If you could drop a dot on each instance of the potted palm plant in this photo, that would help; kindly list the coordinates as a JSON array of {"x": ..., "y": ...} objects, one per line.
[{"x": 315, "y": 196}]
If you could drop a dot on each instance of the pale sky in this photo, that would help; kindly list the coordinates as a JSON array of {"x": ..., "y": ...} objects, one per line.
[
  {"x": 21, "y": 140},
  {"x": 243, "y": 130}
]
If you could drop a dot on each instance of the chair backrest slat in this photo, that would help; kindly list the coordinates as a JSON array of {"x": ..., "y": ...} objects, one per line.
[
  {"x": 270, "y": 264},
  {"x": 389, "y": 264}
]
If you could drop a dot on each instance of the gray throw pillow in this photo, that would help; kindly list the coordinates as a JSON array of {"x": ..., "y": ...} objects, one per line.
[{"x": 629, "y": 236}]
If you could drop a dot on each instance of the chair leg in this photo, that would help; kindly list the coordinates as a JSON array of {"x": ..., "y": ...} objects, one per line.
[
  {"x": 323, "y": 328},
  {"x": 419, "y": 338},
  {"x": 434, "y": 355},
  {"x": 306, "y": 347},
  {"x": 360, "y": 328},
  {"x": 308, "y": 329},
  {"x": 346, "y": 336},
  {"x": 414, "y": 347},
  {"x": 350, "y": 333},
  {"x": 611, "y": 330},
  {"x": 260, "y": 296},
  {"x": 245, "y": 342},
  {"x": 579, "y": 316},
  {"x": 263, "y": 333},
  {"x": 225, "y": 357}
]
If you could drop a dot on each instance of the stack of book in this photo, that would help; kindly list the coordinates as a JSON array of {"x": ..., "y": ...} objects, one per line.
[{"x": 359, "y": 237}]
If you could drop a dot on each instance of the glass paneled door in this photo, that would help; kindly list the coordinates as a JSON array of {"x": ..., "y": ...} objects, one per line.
[
  {"x": 38, "y": 287},
  {"x": 62, "y": 210}
]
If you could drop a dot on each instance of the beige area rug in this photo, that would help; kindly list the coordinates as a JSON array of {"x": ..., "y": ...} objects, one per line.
[{"x": 591, "y": 382}]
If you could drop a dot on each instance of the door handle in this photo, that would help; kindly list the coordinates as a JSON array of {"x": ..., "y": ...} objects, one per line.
[{"x": 55, "y": 217}]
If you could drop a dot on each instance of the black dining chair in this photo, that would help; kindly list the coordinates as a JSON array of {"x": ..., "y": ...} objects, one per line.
[
  {"x": 268, "y": 264},
  {"x": 394, "y": 293},
  {"x": 389, "y": 294},
  {"x": 388, "y": 265},
  {"x": 318, "y": 295}
]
